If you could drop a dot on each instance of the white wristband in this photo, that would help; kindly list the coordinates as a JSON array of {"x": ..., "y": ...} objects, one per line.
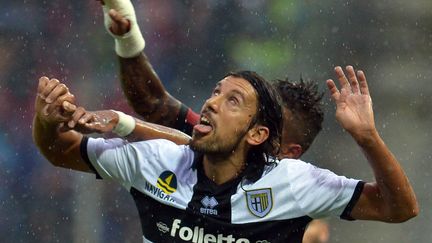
[
  {"x": 132, "y": 43},
  {"x": 125, "y": 126}
]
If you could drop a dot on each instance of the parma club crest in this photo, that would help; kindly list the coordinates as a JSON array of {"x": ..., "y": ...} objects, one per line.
[{"x": 259, "y": 202}]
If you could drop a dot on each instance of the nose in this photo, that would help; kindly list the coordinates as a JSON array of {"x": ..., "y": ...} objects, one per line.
[{"x": 213, "y": 103}]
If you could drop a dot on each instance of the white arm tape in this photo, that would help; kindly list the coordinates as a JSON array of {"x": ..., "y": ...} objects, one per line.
[
  {"x": 125, "y": 126},
  {"x": 132, "y": 43}
]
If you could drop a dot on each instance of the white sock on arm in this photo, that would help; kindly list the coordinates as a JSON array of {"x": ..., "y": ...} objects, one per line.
[{"x": 132, "y": 43}]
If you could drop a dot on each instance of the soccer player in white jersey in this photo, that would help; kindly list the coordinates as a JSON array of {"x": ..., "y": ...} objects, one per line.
[
  {"x": 222, "y": 194},
  {"x": 152, "y": 101}
]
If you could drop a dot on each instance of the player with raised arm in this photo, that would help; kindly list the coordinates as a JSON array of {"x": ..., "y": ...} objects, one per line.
[
  {"x": 226, "y": 192},
  {"x": 148, "y": 97}
]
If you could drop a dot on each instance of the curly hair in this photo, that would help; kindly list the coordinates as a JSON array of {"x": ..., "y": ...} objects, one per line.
[{"x": 304, "y": 117}]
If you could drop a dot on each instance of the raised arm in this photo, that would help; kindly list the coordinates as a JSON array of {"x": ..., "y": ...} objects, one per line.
[
  {"x": 390, "y": 198},
  {"x": 141, "y": 85},
  {"x": 61, "y": 148},
  {"x": 56, "y": 114}
]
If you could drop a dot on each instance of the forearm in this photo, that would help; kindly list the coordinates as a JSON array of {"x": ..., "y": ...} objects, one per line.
[
  {"x": 146, "y": 93},
  {"x": 391, "y": 198},
  {"x": 59, "y": 148},
  {"x": 141, "y": 85},
  {"x": 146, "y": 131},
  {"x": 392, "y": 184}
]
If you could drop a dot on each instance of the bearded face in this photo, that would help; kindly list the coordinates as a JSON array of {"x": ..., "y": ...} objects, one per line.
[
  {"x": 216, "y": 144},
  {"x": 225, "y": 117}
]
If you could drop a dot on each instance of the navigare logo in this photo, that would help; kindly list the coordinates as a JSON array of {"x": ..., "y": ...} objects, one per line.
[
  {"x": 158, "y": 192},
  {"x": 209, "y": 203},
  {"x": 167, "y": 182}
]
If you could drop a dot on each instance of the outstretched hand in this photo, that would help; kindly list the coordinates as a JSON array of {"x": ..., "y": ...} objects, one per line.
[
  {"x": 87, "y": 122},
  {"x": 353, "y": 102}
]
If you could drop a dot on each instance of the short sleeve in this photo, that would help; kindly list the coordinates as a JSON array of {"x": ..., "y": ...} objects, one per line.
[
  {"x": 320, "y": 192},
  {"x": 118, "y": 160}
]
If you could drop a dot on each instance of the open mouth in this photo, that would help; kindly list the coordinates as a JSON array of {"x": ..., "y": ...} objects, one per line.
[{"x": 204, "y": 126}]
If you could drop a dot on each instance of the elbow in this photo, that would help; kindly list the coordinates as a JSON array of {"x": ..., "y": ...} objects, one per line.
[
  {"x": 412, "y": 211},
  {"x": 403, "y": 218},
  {"x": 406, "y": 213}
]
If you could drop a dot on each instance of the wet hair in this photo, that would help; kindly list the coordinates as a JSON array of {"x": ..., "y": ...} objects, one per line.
[
  {"x": 269, "y": 114},
  {"x": 303, "y": 101}
]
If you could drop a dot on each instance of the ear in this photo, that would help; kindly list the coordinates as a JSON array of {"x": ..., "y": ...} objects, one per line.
[
  {"x": 257, "y": 135},
  {"x": 290, "y": 151}
]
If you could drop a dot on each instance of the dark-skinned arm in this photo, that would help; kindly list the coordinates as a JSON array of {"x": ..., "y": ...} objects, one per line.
[
  {"x": 56, "y": 115},
  {"x": 145, "y": 92},
  {"x": 61, "y": 148},
  {"x": 141, "y": 85}
]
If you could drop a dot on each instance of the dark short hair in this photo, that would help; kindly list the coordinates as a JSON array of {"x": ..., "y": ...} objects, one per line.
[
  {"x": 303, "y": 101},
  {"x": 269, "y": 114}
]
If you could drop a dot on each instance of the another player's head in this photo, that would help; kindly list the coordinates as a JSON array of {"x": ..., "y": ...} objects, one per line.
[
  {"x": 243, "y": 116},
  {"x": 303, "y": 116}
]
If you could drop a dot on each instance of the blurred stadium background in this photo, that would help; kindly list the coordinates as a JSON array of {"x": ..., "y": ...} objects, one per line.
[{"x": 191, "y": 45}]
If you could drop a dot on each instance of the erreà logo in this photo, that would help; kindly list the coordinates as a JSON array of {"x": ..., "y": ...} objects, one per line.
[
  {"x": 209, "y": 203},
  {"x": 167, "y": 182}
]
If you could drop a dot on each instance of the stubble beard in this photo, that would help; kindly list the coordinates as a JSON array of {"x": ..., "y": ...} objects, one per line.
[{"x": 217, "y": 146}]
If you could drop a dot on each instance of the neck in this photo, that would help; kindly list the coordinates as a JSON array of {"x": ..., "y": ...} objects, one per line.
[{"x": 221, "y": 169}]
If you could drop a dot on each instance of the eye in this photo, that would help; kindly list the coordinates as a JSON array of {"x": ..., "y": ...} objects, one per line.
[
  {"x": 215, "y": 92},
  {"x": 233, "y": 100}
]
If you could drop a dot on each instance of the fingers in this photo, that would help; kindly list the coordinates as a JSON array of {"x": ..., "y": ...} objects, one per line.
[
  {"x": 69, "y": 107},
  {"x": 355, "y": 83},
  {"x": 55, "y": 111},
  {"x": 68, "y": 98},
  {"x": 58, "y": 91},
  {"x": 52, "y": 90},
  {"x": 76, "y": 116},
  {"x": 42, "y": 83},
  {"x": 55, "y": 93},
  {"x": 353, "y": 80},
  {"x": 334, "y": 92},
  {"x": 364, "y": 89},
  {"x": 343, "y": 81},
  {"x": 81, "y": 120},
  {"x": 80, "y": 117},
  {"x": 120, "y": 25},
  {"x": 86, "y": 118},
  {"x": 52, "y": 113},
  {"x": 51, "y": 84}
]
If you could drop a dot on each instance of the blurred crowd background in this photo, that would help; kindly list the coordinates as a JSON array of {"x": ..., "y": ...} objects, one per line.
[{"x": 192, "y": 44}]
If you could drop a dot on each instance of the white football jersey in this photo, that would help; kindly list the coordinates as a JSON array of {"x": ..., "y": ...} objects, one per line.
[{"x": 178, "y": 203}]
